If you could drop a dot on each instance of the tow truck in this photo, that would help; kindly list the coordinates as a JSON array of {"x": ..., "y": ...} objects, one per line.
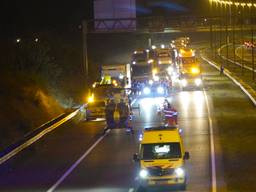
[
  {"x": 189, "y": 68},
  {"x": 161, "y": 158}
]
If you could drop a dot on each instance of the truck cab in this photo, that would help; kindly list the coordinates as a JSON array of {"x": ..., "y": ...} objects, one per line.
[
  {"x": 162, "y": 158},
  {"x": 189, "y": 67}
]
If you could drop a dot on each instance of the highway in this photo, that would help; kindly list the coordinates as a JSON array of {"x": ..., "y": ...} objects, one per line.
[{"x": 109, "y": 165}]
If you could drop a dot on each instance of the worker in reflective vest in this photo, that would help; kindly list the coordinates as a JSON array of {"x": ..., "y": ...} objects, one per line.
[{"x": 171, "y": 115}]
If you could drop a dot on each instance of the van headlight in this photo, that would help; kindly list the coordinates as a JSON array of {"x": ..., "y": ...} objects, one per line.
[
  {"x": 179, "y": 172},
  {"x": 198, "y": 82},
  {"x": 143, "y": 173},
  {"x": 160, "y": 90},
  {"x": 184, "y": 82},
  {"x": 146, "y": 90}
]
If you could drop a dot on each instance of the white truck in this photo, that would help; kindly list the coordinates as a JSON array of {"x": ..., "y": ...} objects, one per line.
[{"x": 119, "y": 75}]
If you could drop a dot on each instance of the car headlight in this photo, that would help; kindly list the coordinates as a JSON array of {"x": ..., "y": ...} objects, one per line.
[
  {"x": 134, "y": 62},
  {"x": 160, "y": 90},
  {"x": 143, "y": 173},
  {"x": 146, "y": 91},
  {"x": 179, "y": 172},
  {"x": 195, "y": 70},
  {"x": 184, "y": 82},
  {"x": 198, "y": 82}
]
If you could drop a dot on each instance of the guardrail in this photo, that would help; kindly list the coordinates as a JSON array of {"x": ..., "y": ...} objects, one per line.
[
  {"x": 250, "y": 92},
  {"x": 34, "y": 136}
]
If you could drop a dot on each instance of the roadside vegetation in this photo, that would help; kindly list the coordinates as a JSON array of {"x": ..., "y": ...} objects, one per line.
[{"x": 40, "y": 78}]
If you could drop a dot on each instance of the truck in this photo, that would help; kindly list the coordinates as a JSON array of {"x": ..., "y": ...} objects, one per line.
[
  {"x": 165, "y": 63},
  {"x": 119, "y": 75},
  {"x": 161, "y": 158},
  {"x": 189, "y": 69},
  {"x": 142, "y": 65}
]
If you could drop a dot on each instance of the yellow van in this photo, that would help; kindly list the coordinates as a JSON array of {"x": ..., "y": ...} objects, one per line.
[{"x": 162, "y": 158}]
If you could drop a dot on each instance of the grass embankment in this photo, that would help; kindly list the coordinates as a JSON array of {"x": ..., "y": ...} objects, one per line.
[
  {"x": 24, "y": 105},
  {"x": 236, "y": 120}
]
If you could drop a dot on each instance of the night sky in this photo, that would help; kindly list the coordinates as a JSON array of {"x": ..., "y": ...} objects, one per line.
[{"x": 19, "y": 15}]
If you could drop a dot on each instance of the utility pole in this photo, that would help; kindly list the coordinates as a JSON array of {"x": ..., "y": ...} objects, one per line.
[{"x": 85, "y": 52}]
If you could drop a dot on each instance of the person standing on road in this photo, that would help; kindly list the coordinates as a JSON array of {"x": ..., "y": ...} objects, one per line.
[
  {"x": 109, "y": 113},
  {"x": 221, "y": 69},
  {"x": 171, "y": 115},
  {"x": 124, "y": 112}
]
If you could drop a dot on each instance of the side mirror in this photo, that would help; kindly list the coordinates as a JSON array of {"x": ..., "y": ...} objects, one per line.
[
  {"x": 186, "y": 156},
  {"x": 136, "y": 157}
]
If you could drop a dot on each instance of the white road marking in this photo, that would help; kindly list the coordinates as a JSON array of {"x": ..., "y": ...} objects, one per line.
[
  {"x": 36, "y": 138},
  {"x": 131, "y": 190},
  {"x": 133, "y": 102},
  {"x": 213, "y": 163},
  {"x": 64, "y": 176}
]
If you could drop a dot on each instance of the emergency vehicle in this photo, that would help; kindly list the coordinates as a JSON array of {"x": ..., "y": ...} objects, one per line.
[
  {"x": 189, "y": 68},
  {"x": 162, "y": 158}
]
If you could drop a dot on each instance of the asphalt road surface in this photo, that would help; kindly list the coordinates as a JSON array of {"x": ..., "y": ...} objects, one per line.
[{"x": 47, "y": 164}]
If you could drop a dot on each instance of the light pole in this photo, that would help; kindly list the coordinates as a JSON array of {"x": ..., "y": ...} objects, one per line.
[
  {"x": 242, "y": 37},
  {"x": 251, "y": 5}
]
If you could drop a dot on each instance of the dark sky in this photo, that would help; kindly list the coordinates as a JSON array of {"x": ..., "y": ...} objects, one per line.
[{"x": 17, "y": 15}]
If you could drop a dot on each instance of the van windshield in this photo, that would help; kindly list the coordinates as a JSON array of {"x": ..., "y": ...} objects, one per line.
[{"x": 160, "y": 151}]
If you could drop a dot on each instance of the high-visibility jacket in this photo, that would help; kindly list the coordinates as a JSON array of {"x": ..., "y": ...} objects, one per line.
[{"x": 171, "y": 115}]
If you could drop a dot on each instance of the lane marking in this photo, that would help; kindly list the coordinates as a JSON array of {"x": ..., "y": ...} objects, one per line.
[
  {"x": 133, "y": 101},
  {"x": 213, "y": 163},
  {"x": 131, "y": 190},
  {"x": 67, "y": 173},
  {"x": 36, "y": 138}
]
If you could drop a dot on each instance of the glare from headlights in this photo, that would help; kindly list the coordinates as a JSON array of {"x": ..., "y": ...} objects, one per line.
[
  {"x": 179, "y": 172},
  {"x": 121, "y": 76},
  {"x": 143, "y": 173},
  {"x": 169, "y": 70},
  {"x": 156, "y": 78},
  {"x": 150, "y": 61},
  {"x": 198, "y": 82},
  {"x": 184, "y": 82},
  {"x": 140, "y": 137},
  {"x": 195, "y": 70},
  {"x": 146, "y": 91},
  {"x": 160, "y": 90},
  {"x": 134, "y": 62}
]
